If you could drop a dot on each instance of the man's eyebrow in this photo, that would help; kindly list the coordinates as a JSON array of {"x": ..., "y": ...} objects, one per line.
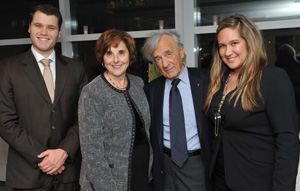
[{"x": 156, "y": 57}]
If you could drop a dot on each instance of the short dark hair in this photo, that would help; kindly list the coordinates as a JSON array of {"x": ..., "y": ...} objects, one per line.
[
  {"x": 47, "y": 9},
  {"x": 112, "y": 38}
]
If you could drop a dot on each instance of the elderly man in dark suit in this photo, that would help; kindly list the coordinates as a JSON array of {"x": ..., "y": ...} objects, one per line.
[
  {"x": 38, "y": 110},
  {"x": 180, "y": 162}
]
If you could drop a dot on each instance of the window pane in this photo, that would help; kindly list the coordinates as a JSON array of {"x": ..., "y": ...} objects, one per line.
[
  {"x": 14, "y": 17},
  {"x": 128, "y": 15},
  {"x": 273, "y": 40},
  {"x": 211, "y": 12},
  {"x": 8, "y": 51},
  {"x": 84, "y": 51}
]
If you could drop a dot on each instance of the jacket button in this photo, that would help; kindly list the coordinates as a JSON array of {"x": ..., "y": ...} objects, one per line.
[
  {"x": 53, "y": 110},
  {"x": 111, "y": 165},
  {"x": 53, "y": 127},
  {"x": 161, "y": 172}
]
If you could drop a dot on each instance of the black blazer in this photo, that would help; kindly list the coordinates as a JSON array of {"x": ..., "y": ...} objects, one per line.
[
  {"x": 199, "y": 80},
  {"x": 261, "y": 148},
  {"x": 31, "y": 124}
]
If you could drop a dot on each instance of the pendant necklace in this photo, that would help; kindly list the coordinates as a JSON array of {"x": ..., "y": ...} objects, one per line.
[{"x": 218, "y": 113}]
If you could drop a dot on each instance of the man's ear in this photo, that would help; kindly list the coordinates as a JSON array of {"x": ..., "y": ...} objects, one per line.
[
  {"x": 59, "y": 33},
  {"x": 181, "y": 51}
]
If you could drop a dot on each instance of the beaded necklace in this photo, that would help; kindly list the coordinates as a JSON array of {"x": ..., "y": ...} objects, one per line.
[
  {"x": 114, "y": 83},
  {"x": 218, "y": 113}
]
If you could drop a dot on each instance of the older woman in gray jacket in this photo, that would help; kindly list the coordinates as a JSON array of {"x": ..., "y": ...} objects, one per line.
[{"x": 114, "y": 122}]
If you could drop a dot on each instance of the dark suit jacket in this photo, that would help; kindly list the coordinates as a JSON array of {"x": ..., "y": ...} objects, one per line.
[
  {"x": 292, "y": 67},
  {"x": 199, "y": 80},
  {"x": 261, "y": 148},
  {"x": 31, "y": 124}
]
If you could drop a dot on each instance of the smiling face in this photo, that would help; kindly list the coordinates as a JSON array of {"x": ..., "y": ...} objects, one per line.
[
  {"x": 116, "y": 60},
  {"x": 44, "y": 32},
  {"x": 232, "y": 48},
  {"x": 167, "y": 57}
]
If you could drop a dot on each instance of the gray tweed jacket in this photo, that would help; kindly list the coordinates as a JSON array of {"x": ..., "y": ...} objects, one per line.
[{"x": 106, "y": 133}]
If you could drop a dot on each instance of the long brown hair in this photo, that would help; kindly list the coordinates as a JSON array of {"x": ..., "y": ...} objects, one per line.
[{"x": 251, "y": 71}]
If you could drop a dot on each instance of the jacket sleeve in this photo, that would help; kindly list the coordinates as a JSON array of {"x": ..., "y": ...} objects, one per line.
[
  {"x": 281, "y": 112},
  {"x": 71, "y": 141},
  {"x": 10, "y": 130},
  {"x": 95, "y": 171}
]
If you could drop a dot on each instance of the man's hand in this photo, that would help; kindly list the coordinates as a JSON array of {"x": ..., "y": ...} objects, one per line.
[
  {"x": 59, "y": 171},
  {"x": 53, "y": 162}
]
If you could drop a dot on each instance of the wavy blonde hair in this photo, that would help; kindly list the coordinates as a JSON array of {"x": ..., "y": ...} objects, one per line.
[{"x": 251, "y": 71}]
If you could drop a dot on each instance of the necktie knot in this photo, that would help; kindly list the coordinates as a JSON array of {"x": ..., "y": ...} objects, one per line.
[
  {"x": 46, "y": 62},
  {"x": 175, "y": 82}
]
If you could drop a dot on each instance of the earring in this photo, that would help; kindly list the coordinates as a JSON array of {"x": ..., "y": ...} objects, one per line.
[{"x": 103, "y": 65}]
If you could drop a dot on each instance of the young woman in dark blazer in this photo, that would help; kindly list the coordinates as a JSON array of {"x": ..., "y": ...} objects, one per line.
[{"x": 256, "y": 144}]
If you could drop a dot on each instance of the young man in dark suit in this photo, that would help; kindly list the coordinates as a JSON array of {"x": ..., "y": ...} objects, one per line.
[
  {"x": 38, "y": 110},
  {"x": 188, "y": 168}
]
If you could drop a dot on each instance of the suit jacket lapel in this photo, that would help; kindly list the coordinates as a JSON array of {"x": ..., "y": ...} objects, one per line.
[
  {"x": 198, "y": 97},
  {"x": 34, "y": 74},
  {"x": 62, "y": 73},
  {"x": 159, "y": 97}
]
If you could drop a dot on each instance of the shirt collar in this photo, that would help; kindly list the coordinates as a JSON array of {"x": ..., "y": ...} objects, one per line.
[
  {"x": 183, "y": 76},
  {"x": 39, "y": 57}
]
